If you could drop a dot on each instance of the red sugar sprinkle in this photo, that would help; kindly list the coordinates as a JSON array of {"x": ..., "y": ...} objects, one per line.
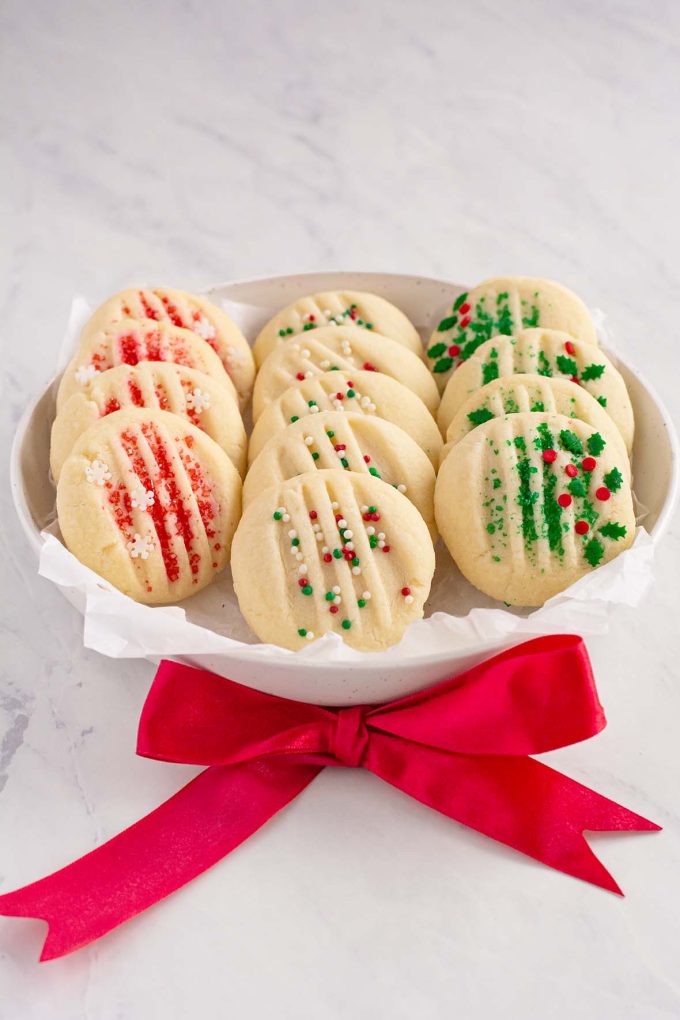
[
  {"x": 564, "y": 499},
  {"x": 464, "y": 308},
  {"x": 111, "y": 406},
  {"x": 313, "y": 515},
  {"x": 454, "y": 350},
  {"x": 303, "y": 582},
  {"x": 300, "y": 376},
  {"x": 386, "y": 548},
  {"x": 603, "y": 493},
  {"x": 218, "y": 546},
  {"x": 327, "y": 557},
  {"x": 465, "y": 322},
  {"x": 135, "y": 393},
  {"x": 582, "y": 527},
  {"x": 569, "y": 347},
  {"x": 334, "y": 609},
  {"x": 550, "y": 456},
  {"x": 589, "y": 464},
  {"x": 571, "y": 470},
  {"x": 405, "y": 591}
]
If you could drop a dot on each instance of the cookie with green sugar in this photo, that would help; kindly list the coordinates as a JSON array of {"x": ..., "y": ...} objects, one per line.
[
  {"x": 518, "y": 393},
  {"x": 354, "y": 442},
  {"x": 503, "y": 306},
  {"x": 369, "y": 393},
  {"x": 347, "y": 348},
  {"x": 337, "y": 308},
  {"x": 333, "y": 551},
  {"x": 551, "y": 354},
  {"x": 530, "y": 502}
]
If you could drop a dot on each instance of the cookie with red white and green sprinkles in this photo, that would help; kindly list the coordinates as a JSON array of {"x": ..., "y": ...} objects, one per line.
[
  {"x": 129, "y": 342},
  {"x": 210, "y": 324},
  {"x": 332, "y": 551},
  {"x": 353, "y": 442},
  {"x": 549, "y": 353},
  {"x": 345, "y": 348},
  {"x": 503, "y": 306},
  {"x": 529, "y": 503},
  {"x": 337, "y": 308},
  {"x": 517, "y": 393},
  {"x": 201, "y": 399},
  {"x": 369, "y": 393},
  {"x": 150, "y": 503}
]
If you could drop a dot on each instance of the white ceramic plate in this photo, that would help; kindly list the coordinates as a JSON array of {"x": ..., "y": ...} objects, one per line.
[{"x": 655, "y": 469}]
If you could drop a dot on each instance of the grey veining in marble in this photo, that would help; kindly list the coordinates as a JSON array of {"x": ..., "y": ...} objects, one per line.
[{"x": 188, "y": 143}]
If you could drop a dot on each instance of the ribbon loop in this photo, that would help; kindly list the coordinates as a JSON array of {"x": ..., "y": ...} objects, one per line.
[{"x": 351, "y": 736}]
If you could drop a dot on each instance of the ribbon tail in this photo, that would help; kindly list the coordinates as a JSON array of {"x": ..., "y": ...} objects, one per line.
[
  {"x": 186, "y": 835},
  {"x": 515, "y": 800}
]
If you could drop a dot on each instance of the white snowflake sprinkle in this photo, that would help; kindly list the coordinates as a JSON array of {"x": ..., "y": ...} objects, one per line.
[
  {"x": 204, "y": 328},
  {"x": 85, "y": 374},
  {"x": 140, "y": 546},
  {"x": 198, "y": 400},
  {"x": 98, "y": 472},
  {"x": 142, "y": 499}
]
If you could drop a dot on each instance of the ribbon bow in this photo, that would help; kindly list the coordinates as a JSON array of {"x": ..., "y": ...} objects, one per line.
[{"x": 461, "y": 747}]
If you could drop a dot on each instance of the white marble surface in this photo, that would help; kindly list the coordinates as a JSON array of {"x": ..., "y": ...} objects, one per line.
[{"x": 187, "y": 143}]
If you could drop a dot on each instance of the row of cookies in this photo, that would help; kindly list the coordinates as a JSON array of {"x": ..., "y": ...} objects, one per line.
[
  {"x": 338, "y": 526},
  {"x": 534, "y": 485},
  {"x": 148, "y": 446}
]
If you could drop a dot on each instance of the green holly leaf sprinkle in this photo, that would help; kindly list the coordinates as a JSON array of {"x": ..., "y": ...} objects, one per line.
[
  {"x": 520, "y": 442},
  {"x": 443, "y": 365},
  {"x": 577, "y": 487},
  {"x": 592, "y": 372},
  {"x": 460, "y": 300},
  {"x": 613, "y": 480},
  {"x": 538, "y": 405},
  {"x": 602, "y": 401},
  {"x": 570, "y": 441},
  {"x": 566, "y": 365},
  {"x": 436, "y": 350},
  {"x": 594, "y": 551},
  {"x": 595, "y": 444},
  {"x": 479, "y": 416},
  {"x": 613, "y": 530},
  {"x": 448, "y": 323}
]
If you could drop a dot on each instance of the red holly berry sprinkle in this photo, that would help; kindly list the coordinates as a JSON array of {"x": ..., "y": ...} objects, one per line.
[
  {"x": 603, "y": 493},
  {"x": 571, "y": 470},
  {"x": 454, "y": 350},
  {"x": 300, "y": 376},
  {"x": 311, "y": 318},
  {"x": 550, "y": 456},
  {"x": 464, "y": 308},
  {"x": 589, "y": 464},
  {"x": 327, "y": 557},
  {"x": 405, "y": 591},
  {"x": 386, "y": 548},
  {"x": 313, "y": 515},
  {"x": 569, "y": 347},
  {"x": 367, "y": 458},
  {"x": 334, "y": 609},
  {"x": 465, "y": 322},
  {"x": 564, "y": 499},
  {"x": 582, "y": 527},
  {"x": 303, "y": 582},
  {"x": 368, "y": 367},
  {"x": 339, "y": 396}
]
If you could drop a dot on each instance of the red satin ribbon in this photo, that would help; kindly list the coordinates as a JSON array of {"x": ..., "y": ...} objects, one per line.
[{"x": 461, "y": 747}]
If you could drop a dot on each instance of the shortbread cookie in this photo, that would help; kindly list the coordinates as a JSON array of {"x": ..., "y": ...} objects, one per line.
[
  {"x": 346, "y": 348},
  {"x": 549, "y": 353},
  {"x": 529, "y": 503},
  {"x": 203, "y": 400},
  {"x": 150, "y": 503},
  {"x": 503, "y": 306},
  {"x": 354, "y": 442},
  {"x": 370, "y": 393},
  {"x": 332, "y": 550},
  {"x": 517, "y": 393},
  {"x": 127, "y": 343},
  {"x": 188, "y": 311},
  {"x": 337, "y": 308}
]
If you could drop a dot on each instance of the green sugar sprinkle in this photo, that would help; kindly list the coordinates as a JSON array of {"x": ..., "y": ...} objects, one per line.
[
  {"x": 594, "y": 551},
  {"x": 496, "y": 483},
  {"x": 538, "y": 405},
  {"x": 552, "y": 512},
  {"x": 613, "y": 530},
  {"x": 545, "y": 439},
  {"x": 543, "y": 364},
  {"x": 526, "y": 499},
  {"x": 588, "y": 512},
  {"x": 479, "y": 416},
  {"x": 595, "y": 444},
  {"x": 592, "y": 372},
  {"x": 570, "y": 441},
  {"x": 566, "y": 365},
  {"x": 489, "y": 372},
  {"x": 496, "y": 559},
  {"x": 491, "y": 528},
  {"x": 613, "y": 480},
  {"x": 520, "y": 442},
  {"x": 532, "y": 319}
]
